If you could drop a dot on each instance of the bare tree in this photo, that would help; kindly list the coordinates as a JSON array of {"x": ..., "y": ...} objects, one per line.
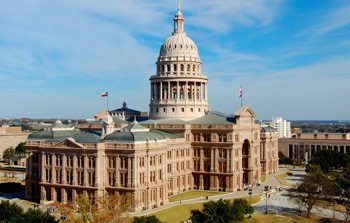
[{"x": 313, "y": 189}]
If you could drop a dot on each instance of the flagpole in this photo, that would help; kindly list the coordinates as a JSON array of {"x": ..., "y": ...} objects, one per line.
[
  {"x": 242, "y": 97},
  {"x": 107, "y": 101}
]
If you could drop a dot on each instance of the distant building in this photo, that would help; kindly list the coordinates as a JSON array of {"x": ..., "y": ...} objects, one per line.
[
  {"x": 281, "y": 126},
  {"x": 11, "y": 137},
  {"x": 309, "y": 143},
  {"x": 18, "y": 160}
]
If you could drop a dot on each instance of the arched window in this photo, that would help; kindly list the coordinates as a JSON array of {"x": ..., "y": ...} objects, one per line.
[
  {"x": 163, "y": 68},
  {"x": 188, "y": 67},
  {"x": 194, "y": 68},
  {"x": 175, "y": 67},
  {"x": 168, "y": 68},
  {"x": 182, "y": 67}
]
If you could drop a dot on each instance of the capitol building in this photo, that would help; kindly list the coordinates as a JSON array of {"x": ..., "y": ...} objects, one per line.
[{"x": 181, "y": 146}]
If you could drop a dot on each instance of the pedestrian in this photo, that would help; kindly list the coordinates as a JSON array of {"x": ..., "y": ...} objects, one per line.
[
  {"x": 180, "y": 201},
  {"x": 269, "y": 195}
]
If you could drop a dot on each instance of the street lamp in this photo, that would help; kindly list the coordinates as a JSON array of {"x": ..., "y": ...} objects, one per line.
[
  {"x": 250, "y": 194},
  {"x": 266, "y": 189}
]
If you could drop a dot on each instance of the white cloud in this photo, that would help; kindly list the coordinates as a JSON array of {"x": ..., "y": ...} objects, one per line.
[
  {"x": 316, "y": 91},
  {"x": 335, "y": 18}
]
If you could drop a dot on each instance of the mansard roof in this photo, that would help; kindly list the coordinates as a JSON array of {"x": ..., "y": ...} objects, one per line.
[
  {"x": 52, "y": 135},
  {"x": 267, "y": 129}
]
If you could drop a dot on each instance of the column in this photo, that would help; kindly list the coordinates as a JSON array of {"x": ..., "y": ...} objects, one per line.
[
  {"x": 42, "y": 194},
  {"x": 117, "y": 164},
  {"x": 161, "y": 91},
  {"x": 201, "y": 160},
  {"x": 201, "y": 91},
  {"x": 134, "y": 164},
  {"x": 74, "y": 171},
  {"x": 186, "y": 91},
  {"x": 155, "y": 87},
  {"x": 97, "y": 174},
  {"x": 169, "y": 90},
  {"x": 151, "y": 91},
  {"x": 29, "y": 169},
  {"x": 206, "y": 91},
  {"x": 86, "y": 162},
  {"x": 177, "y": 91},
  {"x": 64, "y": 164},
  {"x": 53, "y": 171},
  {"x": 129, "y": 172},
  {"x": 42, "y": 162},
  {"x": 228, "y": 161},
  {"x": 195, "y": 90}
]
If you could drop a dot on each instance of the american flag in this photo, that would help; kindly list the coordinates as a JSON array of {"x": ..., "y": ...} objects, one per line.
[{"x": 240, "y": 92}]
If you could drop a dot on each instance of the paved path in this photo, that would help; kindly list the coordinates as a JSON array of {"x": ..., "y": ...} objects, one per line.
[{"x": 281, "y": 203}]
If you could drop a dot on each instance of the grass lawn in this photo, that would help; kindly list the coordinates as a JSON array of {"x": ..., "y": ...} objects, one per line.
[
  {"x": 183, "y": 212},
  {"x": 280, "y": 178},
  {"x": 326, "y": 205},
  {"x": 194, "y": 194},
  {"x": 263, "y": 178},
  {"x": 275, "y": 219},
  {"x": 28, "y": 203},
  {"x": 178, "y": 213},
  {"x": 255, "y": 199}
]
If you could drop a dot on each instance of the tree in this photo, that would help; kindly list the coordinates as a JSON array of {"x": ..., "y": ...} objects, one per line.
[
  {"x": 222, "y": 211},
  {"x": 313, "y": 169},
  {"x": 147, "y": 219},
  {"x": 20, "y": 148},
  {"x": 107, "y": 208},
  {"x": 14, "y": 214},
  {"x": 37, "y": 216},
  {"x": 8, "y": 153},
  {"x": 313, "y": 189},
  {"x": 9, "y": 212}
]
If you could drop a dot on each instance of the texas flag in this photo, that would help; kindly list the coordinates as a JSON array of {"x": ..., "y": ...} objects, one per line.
[
  {"x": 240, "y": 92},
  {"x": 105, "y": 94}
]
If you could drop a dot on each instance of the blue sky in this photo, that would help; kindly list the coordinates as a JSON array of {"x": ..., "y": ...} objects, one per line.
[{"x": 292, "y": 57}]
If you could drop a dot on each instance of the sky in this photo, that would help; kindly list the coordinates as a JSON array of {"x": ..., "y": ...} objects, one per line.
[{"x": 292, "y": 57}]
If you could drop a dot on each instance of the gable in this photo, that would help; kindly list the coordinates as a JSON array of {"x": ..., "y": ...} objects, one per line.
[
  {"x": 245, "y": 111},
  {"x": 69, "y": 143}
]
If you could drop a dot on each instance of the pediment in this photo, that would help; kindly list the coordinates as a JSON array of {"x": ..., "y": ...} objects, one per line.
[
  {"x": 69, "y": 143},
  {"x": 245, "y": 111}
]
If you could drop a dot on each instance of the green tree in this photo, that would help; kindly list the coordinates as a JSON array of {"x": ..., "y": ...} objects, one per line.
[
  {"x": 37, "y": 216},
  {"x": 20, "y": 148},
  {"x": 147, "y": 219},
  {"x": 222, "y": 211},
  {"x": 313, "y": 169},
  {"x": 9, "y": 212},
  {"x": 8, "y": 153}
]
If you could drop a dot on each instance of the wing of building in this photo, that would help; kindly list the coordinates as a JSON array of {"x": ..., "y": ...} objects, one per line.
[{"x": 182, "y": 146}]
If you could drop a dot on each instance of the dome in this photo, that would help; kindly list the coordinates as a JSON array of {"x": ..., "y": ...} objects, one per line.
[{"x": 178, "y": 45}]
